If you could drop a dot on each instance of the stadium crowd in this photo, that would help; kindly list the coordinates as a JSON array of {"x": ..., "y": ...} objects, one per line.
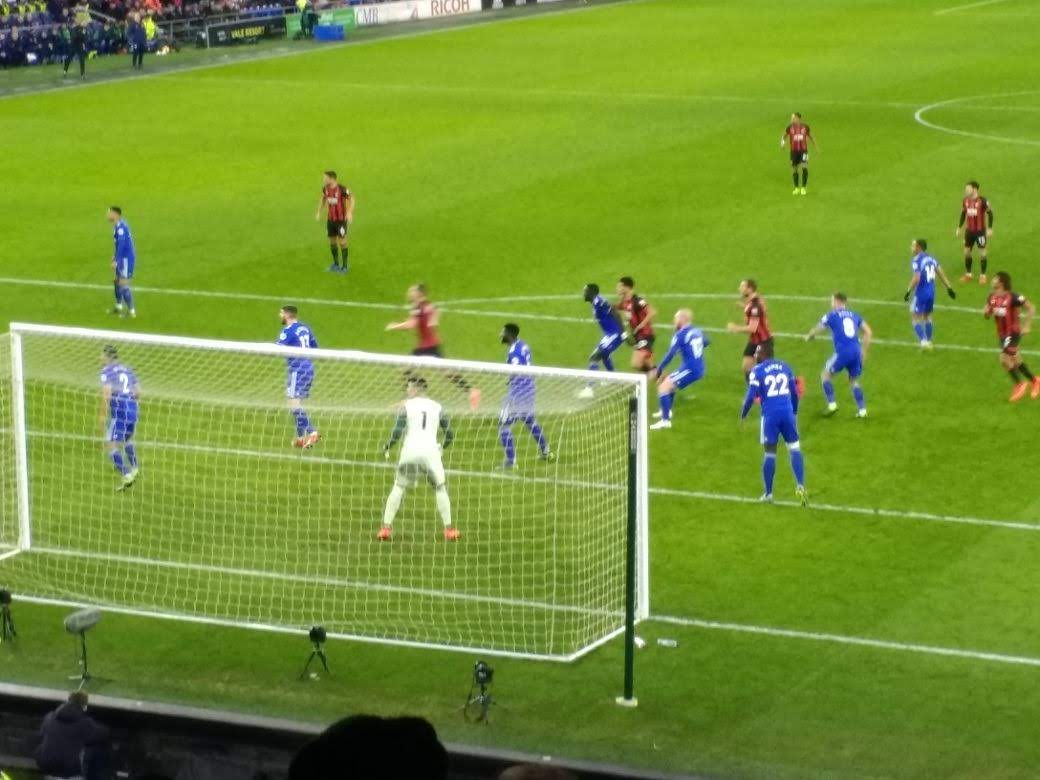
[{"x": 73, "y": 744}]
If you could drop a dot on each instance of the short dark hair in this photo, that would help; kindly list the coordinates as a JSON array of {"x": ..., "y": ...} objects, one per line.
[
  {"x": 330, "y": 174},
  {"x": 79, "y": 698},
  {"x": 922, "y": 242},
  {"x": 1005, "y": 279},
  {"x": 751, "y": 283},
  {"x": 116, "y": 209},
  {"x": 628, "y": 281},
  {"x": 420, "y": 287},
  {"x": 593, "y": 288},
  {"x": 973, "y": 183},
  {"x": 290, "y": 310},
  {"x": 764, "y": 351},
  {"x": 512, "y": 330},
  {"x": 797, "y": 115},
  {"x": 110, "y": 352},
  {"x": 418, "y": 381},
  {"x": 840, "y": 296}
]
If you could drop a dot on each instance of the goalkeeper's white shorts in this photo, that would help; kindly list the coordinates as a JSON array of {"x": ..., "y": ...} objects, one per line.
[{"x": 414, "y": 466}]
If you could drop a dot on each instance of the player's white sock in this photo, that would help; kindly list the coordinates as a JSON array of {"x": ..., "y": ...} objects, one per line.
[
  {"x": 444, "y": 506},
  {"x": 393, "y": 503}
]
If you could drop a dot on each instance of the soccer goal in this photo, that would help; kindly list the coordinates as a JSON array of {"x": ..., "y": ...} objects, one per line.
[{"x": 229, "y": 523}]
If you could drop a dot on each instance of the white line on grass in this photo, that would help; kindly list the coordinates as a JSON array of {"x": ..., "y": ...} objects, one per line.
[
  {"x": 920, "y": 112},
  {"x": 310, "y": 458},
  {"x": 980, "y": 4},
  {"x": 973, "y": 655},
  {"x": 461, "y": 23},
  {"x": 10, "y": 554},
  {"x": 451, "y": 307}
]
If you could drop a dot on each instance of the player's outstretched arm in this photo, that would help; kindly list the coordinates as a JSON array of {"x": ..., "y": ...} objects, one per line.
[
  {"x": 408, "y": 324},
  {"x": 751, "y": 326},
  {"x": 960, "y": 224},
  {"x": 817, "y": 329},
  {"x": 667, "y": 357},
  {"x": 913, "y": 286},
  {"x": 449, "y": 434},
  {"x": 864, "y": 343},
  {"x": 749, "y": 398},
  {"x": 946, "y": 282},
  {"x": 321, "y": 207}
]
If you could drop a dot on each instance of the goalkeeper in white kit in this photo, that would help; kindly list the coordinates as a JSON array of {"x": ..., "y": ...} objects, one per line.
[{"x": 419, "y": 421}]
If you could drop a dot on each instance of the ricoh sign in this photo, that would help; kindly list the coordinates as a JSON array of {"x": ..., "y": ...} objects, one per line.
[{"x": 412, "y": 10}]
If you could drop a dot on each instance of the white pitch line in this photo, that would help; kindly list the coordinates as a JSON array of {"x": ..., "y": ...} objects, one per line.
[
  {"x": 920, "y": 112},
  {"x": 10, "y": 554},
  {"x": 449, "y": 307},
  {"x": 954, "y": 9},
  {"x": 883, "y": 644},
  {"x": 891, "y": 514}
]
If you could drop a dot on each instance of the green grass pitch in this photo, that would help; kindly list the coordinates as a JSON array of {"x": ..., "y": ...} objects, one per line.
[{"x": 508, "y": 164}]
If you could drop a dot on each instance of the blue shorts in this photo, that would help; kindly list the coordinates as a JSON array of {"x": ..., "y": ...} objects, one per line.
[
  {"x": 922, "y": 305},
  {"x": 608, "y": 345},
  {"x": 299, "y": 384},
  {"x": 684, "y": 377},
  {"x": 120, "y": 429},
  {"x": 125, "y": 267},
  {"x": 510, "y": 416},
  {"x": 846, "y": 361},
  {"x": 773, "y": 428}
]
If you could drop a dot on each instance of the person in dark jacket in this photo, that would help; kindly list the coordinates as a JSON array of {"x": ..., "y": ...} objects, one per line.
[
  {"x": 65, "y": 734},
  {"x": 135, "y": 35}
]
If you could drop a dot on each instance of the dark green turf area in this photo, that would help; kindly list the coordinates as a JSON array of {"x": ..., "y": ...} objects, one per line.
[{"x": 521, "y": 160}]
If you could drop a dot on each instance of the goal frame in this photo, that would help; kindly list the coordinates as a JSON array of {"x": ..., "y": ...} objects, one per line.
[{"x": 637, "y": 579}]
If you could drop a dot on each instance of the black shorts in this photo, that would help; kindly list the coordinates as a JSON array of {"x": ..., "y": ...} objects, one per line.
[
  {"x": 337, "y": 228},
  {"x": 644, "y": 344},
  {"x": 799, "y": 158},
  {"x": 428, "y": 352},
  {"x": 751, "y": 349},
  {"x": 974, "y": 239},
  {"x": 1009, "y": 344}
]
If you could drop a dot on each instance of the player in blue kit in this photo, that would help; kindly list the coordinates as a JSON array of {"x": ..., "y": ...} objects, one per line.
[
  {"x": 119, "y": 414},
  {"x": 849, "y": 352},
  {"x": 610, "y": 324},
  {"x": 772, "y": 382},
  {"x": 922, "y": 290},
  {"x": 124, "y": 257},
  {"x": 689, "y": 342},
  {"x": 301, "y": 375},
  {"x": 519, "y": 402}
]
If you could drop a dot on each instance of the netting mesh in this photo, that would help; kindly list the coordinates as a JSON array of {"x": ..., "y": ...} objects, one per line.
[{"x": 229, "y": 521}]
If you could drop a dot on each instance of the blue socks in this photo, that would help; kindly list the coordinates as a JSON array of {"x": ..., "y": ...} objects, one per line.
[
  {"x": 131, "y": 455},
  {"x": 608, "y": 364},
  {"x": 666, "y": 405},
  {"x": 919, "y": 331},
  {"x": 117, "y": 461},
  {"x": 857, "y": 393},
  {"x": 769, "y": 471},
  {"x": 508, "y": 444},
  {"x": 303, "y": 425},
  {"x": 128, "y": 297},
  {"x": 828, "y": 390},
  {"x": 928, "y": 330},
  {"x": 117, "y": 290},
  {"x": 798, "y": 467},
  {"x": 536, "y": 431}
]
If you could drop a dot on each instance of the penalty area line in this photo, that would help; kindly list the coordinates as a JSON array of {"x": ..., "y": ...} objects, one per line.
[
  {"x": 841, "y": 639},
  {"x": 966, "y": 7}
]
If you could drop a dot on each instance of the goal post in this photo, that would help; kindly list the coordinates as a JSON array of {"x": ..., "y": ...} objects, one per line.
[{"x": 229, "y": 523}]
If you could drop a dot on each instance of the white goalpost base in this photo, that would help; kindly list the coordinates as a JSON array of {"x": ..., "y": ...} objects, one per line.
[{"x": 230, "y": 525}]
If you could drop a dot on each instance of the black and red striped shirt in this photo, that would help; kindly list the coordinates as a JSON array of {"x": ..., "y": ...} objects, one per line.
[
  {"x": 798, "y": 137},
  {"x": 1003, "y": 307},
  {"x": 425, "y": 328},
  {"x": 756, "y": 309},
  {"x": 336, "y": 197},
  {"x": 975, "y": 210},
  {"x": 637, "y": 309}
]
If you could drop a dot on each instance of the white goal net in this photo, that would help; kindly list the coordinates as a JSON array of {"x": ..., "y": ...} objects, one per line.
[{"x": 229, "y": 522}]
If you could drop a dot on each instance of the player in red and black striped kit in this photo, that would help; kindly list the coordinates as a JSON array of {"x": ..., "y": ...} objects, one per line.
[
  {"x": 1005, "y": 307},
  {"x": 424, "y": 319},
  {"x": 338, "y": 202},
  {"x": 640, "y": 323},
  {"x": 797, "y": 136},
  {"x": 975, "y": 210},
  {"x": 756, "y": 324}
]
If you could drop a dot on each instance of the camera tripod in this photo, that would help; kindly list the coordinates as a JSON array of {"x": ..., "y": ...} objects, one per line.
[
  {"x": 479, "y": 701},
  {"x": 319, "y": 653},
  {"x": 7, "y": 632}
]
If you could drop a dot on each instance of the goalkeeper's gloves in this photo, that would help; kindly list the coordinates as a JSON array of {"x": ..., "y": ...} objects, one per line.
[
  {"x": 906, "y": 297},
  {"x": 952, "y": 292}
]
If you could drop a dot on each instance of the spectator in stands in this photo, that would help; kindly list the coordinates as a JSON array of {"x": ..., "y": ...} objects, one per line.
[
  {"x": 66, "y": 733},
  {"x": 535, "y": 772},
  {"x": 366, "y": 747}
]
